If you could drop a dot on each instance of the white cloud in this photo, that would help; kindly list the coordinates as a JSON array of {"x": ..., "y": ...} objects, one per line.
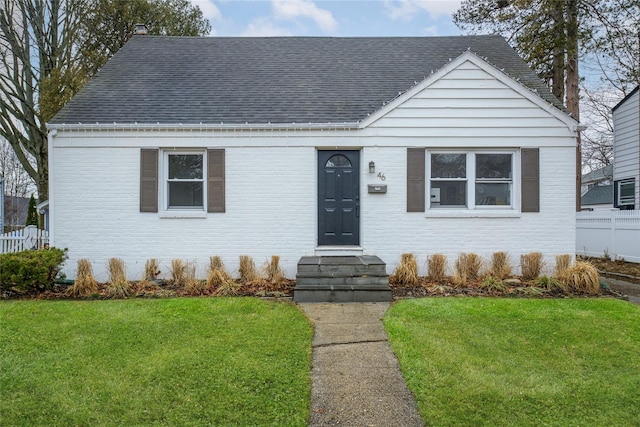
[
  {"x": 209, "y": 9},
  {"x": 291, "y": 9},
  {"x": 263, "y": 27},
  {"x": 430, "y": 31},
  {"x": 408, "y": 9}
]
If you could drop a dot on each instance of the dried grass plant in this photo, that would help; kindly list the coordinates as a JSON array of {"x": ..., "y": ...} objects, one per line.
[
  {"x": 151, "y": 269},
  {"x": 272, "y": 271},
  {"x": 85, "y": 284},
  {"x": 178, "y": 268},
  {"x": 501, "y": 265},
  {"x": 437, "y": 267},
  {"x": 192, "y": 285},
  {"x": 407, "y": 272},
  {"x": 217, "y": 274},
  {"x": 563, "y": 262},
  {"x": 531, "y": 265},
  {"x": 460, "y": 272},
  {"x": 583, "y": 277},
  {"x": 228, "y": 288},
  {"x": 118, "y": 286},
  {"x": 474, "y": 266},
  {"x": 247, "y": 269},
  {"x": 467, "y": 267}
]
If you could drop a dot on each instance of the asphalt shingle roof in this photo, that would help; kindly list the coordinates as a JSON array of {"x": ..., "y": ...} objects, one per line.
[
  {"x": 598, "y": 195},
  {"x": 213, "y": 80}
]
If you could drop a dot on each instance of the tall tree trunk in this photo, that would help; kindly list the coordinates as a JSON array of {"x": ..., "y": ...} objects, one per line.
[
  {"x": 572, "y": 80},
  {"x": 559, "y": 45}
]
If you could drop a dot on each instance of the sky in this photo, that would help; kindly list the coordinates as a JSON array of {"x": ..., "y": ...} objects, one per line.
[{"x": 331, "y": 18}]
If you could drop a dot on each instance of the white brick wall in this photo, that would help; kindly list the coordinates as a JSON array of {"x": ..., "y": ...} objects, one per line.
[{"x": 271, "y": 210}]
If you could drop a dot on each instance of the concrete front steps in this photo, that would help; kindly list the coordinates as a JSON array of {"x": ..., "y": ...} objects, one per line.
[{"x": 361, "y": 278}]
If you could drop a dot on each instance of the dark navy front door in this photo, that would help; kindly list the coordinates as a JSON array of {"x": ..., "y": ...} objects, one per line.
[{"x": 339, "y": 197}]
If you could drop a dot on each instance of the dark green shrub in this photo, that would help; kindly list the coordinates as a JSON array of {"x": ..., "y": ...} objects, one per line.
[
  {"x": 32, "y": 212},
  {"x": 31, "y": 271}
]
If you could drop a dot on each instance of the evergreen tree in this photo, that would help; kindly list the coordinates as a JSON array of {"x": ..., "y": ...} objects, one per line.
[{"x": 32, "y": 212}]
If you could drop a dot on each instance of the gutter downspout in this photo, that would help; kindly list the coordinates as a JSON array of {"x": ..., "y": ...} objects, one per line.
[{"x": 52, "y": 188}]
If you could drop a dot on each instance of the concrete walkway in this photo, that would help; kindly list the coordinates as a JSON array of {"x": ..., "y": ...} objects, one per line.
[
  {"x": 631, "y": 290},
  {"x": 356, "y": 378}
]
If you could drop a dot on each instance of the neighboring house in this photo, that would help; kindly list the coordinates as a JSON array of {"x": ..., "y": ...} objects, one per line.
[
  {"x": 597, "y": 189},
  {"x": 15, "y": 212},
  {"x": 626, "y": 152},
  {"x": 191, "y": 147}
]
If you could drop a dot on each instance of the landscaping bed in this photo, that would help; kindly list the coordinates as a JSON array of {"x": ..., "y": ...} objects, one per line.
[{"x": 618, "y": 269}]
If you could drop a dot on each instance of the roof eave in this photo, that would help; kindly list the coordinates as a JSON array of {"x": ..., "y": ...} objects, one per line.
[{"x": 201, "y": 126}]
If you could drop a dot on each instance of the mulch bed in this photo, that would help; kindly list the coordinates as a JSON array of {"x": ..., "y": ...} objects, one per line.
[{"x": 263, "y": 288}]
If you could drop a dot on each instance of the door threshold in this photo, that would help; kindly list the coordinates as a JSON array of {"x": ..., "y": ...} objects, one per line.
[{"x": 338, "y": 250}]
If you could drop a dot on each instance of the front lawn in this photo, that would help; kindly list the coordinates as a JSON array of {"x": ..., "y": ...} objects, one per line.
[
  {"x": 482, "y": 361},
  {"x": 189, "y": 361}
]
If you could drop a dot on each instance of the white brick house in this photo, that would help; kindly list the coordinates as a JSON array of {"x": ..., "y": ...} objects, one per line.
[{"x": 192, "y": 147}]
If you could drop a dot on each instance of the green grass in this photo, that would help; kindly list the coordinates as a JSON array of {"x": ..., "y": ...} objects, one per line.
[
  {"x": 499, "y": 362},
  {"x": 204, "y": 361}
]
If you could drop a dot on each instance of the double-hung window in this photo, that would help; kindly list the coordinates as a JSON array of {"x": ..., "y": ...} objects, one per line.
[
  {"x": 470, "y": 180},
  {"x": 494, "y": 179},
  {"x": 185, "y": 180},
  {"x": 625, "y": 191}
]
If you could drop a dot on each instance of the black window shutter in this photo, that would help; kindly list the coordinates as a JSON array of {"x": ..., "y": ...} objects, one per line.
[
  {"x": 415, "y": 180},
  {"x": 149, "y": 180},
  {"x": 215, "y": 181},
  {"x": 616, "y": 185},
  {"x": 530, "y": 171}
]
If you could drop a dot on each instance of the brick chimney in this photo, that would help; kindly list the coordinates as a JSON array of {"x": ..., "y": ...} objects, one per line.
[{"x": 140, "y": 30}]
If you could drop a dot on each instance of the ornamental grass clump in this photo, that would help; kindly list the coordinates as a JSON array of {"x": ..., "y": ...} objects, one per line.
[
  {"x": 85, "y": 284},
  {"x": 467, "y": 267},
  {"x": 192, "y": 285},
  {"x": 407, "y": 272},
  {"x": 501, "y": 265},
  {"x": 550, "y": 284},
  {"x": 272, "y": 271},
  {"x": 151, "y": 269},
  {"x": 582, "y": 277},
  {"x": 437, "y": 266},
  {"x": 563, "y": 262},
  {"x": 247, "y": 269},
  {"x": 178, "y": 268},
  {"x": 118, "y": 286},
  {"x": 460, "y": 272},
  {"x": 492, "y": 284},
  {"x": 531, "y": 265},
  {"x": 217, "y": 274}
]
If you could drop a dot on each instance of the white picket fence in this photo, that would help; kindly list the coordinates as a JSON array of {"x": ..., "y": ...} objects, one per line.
[
  {"x": 30, "y": 237},
  {"x": 613, "y": 233}
]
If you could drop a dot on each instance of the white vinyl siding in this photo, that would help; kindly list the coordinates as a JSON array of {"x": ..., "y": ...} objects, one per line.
[
  {"x": 468, "y": 105},
  {"x": 626, "y": 150}
]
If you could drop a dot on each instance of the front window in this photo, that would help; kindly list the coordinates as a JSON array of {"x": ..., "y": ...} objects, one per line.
[
  {"x": 448, "y": 180},
  {"x": 493, "y": 179},
  {"x": 185, "y": 180},
  {"x": 470, "y": 180},
  {"x": 626, "y": 193}
]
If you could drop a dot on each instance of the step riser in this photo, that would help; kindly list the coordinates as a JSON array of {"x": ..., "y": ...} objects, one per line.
[
  {"x": 341, "y": 271},
  {"x": 342, "y": 296},
  {"x": 333, "y": 281}
]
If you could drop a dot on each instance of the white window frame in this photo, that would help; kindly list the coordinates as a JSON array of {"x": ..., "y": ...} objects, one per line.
[
  {"x": 471, "y": 181},
  {"x": 195, "y": 210},
  {"x": 629, "y": 201}
]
